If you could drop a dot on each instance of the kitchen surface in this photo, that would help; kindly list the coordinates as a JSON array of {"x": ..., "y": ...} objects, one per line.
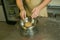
[{"x": 49, "y": 28}]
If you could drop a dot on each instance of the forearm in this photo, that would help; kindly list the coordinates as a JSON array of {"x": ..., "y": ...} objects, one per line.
[
  {"x": 20, "y": 4},
  {"x": 44, "y": 3}
]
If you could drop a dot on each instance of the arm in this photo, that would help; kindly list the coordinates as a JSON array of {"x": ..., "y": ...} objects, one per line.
[
  {"x": 44, "y": 3},
  {"x": 21, "y": 7},
  {"x": 37, "y": 9},
  {"x": 20, "y": 4}
]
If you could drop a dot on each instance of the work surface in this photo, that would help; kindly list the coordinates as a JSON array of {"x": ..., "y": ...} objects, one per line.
[{"x": 49, "y": 29}]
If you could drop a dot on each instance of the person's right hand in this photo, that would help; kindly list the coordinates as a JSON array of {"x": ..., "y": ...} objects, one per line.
[{"x": 23, "y": 14}]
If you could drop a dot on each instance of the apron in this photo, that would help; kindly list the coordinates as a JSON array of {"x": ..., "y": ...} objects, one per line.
[{"x": 30, "y": 4}]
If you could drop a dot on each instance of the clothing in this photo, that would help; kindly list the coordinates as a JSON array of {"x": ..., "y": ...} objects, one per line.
[{"x": 30, "y": 4}]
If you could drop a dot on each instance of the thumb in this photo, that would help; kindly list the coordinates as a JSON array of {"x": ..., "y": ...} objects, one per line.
[{"x": 25, "y": 15}]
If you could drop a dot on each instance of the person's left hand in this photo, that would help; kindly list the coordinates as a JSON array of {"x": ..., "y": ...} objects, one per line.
[{"x": 35, "y": 12}]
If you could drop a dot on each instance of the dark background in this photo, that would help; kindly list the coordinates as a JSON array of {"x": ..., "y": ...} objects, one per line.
[{"x": 0, "y": 2}]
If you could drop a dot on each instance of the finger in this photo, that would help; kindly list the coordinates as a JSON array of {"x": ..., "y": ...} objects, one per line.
[
  {"x": 20, "y": 15},
  {"x": 33, "y": 10},
  {"x": 25, "y": 14},
  {"x": 34, "y": 15},
  {"x": 23, "y": 17}
]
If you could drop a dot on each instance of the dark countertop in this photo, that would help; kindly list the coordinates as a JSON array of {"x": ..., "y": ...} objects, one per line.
[{"x": 49, "y": 29}]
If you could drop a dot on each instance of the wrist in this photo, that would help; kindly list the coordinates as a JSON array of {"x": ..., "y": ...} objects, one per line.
[
  {"x": 22, "y": 10},
  {"x": 39, "y": 8}
]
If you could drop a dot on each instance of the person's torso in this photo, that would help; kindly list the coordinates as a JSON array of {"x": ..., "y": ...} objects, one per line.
[{"x": 32, "y": 3}]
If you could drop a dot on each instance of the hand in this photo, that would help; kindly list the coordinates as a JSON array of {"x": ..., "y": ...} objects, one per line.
[
  {"x": 35, "y": 12},
  {"x": 22, "y": 14}
]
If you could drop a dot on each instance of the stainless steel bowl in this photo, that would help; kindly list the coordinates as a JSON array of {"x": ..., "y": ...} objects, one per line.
[
  {"x": 27, "y": 31},
  {"x": 27, "y": 19}
]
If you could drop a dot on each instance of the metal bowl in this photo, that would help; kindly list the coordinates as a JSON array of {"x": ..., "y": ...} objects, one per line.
[{"x": 27, "y": 31}]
